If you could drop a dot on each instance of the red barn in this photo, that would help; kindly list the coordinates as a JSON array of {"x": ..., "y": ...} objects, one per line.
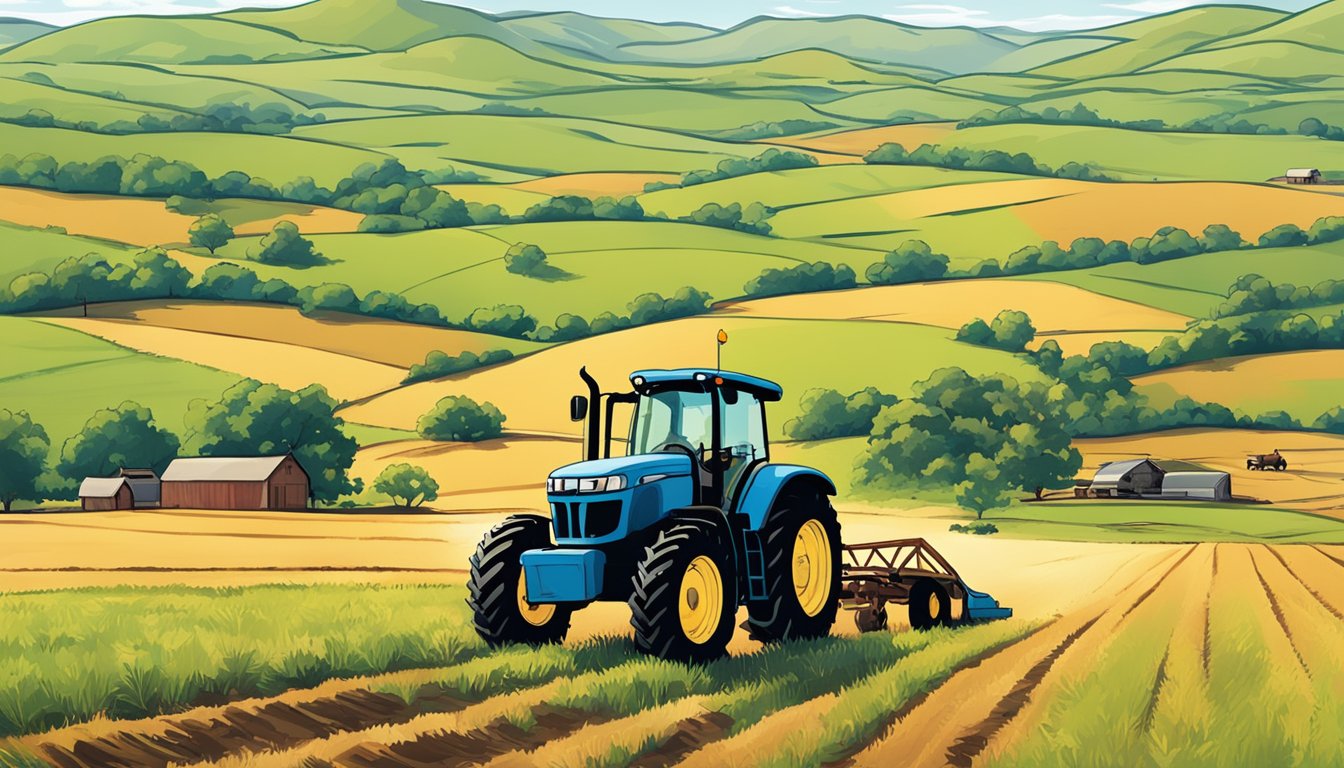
[{"x": 217, "y": 482}]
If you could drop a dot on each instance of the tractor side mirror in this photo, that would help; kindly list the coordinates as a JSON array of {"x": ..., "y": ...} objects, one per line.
[{"x": 578, "y": 408}]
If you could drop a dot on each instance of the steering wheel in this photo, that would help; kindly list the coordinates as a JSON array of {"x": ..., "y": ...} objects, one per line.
[{"x": 676, "y": 447}]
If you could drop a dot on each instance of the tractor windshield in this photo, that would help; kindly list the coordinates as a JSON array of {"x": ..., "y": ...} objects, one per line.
[{"x": 672, "y": 417}]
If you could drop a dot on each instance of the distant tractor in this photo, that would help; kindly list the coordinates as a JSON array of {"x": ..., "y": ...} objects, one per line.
[
  {"x": 693, "y": 522},
  {"x": 1263, "y": 461}
]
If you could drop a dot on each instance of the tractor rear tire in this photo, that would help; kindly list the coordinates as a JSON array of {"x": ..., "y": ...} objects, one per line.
[
  {"x": 801, "y": 547},
  {"x": 497, "y": 587},
  {"x": 930, "y": 606},
  {"x": 1282, "y": 466},
  {"x": 869, "y": 619},
  {"x": 685, "y": 594}
]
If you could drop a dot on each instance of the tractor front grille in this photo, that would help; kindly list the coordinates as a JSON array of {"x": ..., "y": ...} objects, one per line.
[{"x": 585, "y": 520}]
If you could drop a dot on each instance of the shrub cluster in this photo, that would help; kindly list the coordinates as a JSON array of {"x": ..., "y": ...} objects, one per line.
[
  {"x": 979, "y": 160},
  {"x": 642, "y": 310},
  {"x": 1080, "y": 114},
  {"x": 772, "y": 159},
  {"x": 1010, "y": 331},
  {"x": 461, "y": 419},
  {"x": 912, "y": 261},
  {"x": 803, "y": 278},
  {"x": 752, "y": 219},
  {"x": 1253, "y": 293},
  {"x": 439, "y": 364},
  {"x": 768, "y": 130},
  {"x": 223, "y": 117}
]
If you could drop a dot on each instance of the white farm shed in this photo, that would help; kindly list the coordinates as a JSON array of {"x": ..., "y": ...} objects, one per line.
[
  {"x": 1303, "y": 176},
  {"x": 1205, "y": 486}
]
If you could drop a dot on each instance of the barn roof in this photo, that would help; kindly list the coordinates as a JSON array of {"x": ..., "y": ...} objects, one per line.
[
  {"x": 101, "y": 487},
  {"x": 1180, "y": 481},
  {"x": 1115, "y": 470},
  {"x": 250, "y": 469},
  {"x": 1303, "y": 171}
]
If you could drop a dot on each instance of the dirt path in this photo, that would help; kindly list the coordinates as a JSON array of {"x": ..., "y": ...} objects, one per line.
[{"x": 955, "y": 722}]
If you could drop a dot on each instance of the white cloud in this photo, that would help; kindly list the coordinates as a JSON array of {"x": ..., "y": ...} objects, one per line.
[
  {"x": 1154, "y": 6},
  {"x": 929, "y": 15},
  {"x": 790, "y": 12}
]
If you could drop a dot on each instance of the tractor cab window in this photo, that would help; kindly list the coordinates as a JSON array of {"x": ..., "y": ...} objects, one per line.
[
  {"x": 673, "y": 420},
  {"x": 744, "y": 442}
]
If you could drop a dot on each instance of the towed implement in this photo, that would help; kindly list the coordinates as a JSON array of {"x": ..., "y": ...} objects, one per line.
[
  {"x": 912, "y": 573},
  {"x": 692, "y": 523}
]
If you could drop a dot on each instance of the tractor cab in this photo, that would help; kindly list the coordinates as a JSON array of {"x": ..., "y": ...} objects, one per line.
[
  {"x": 683, "y": 493},
  {"x": 712, "y": 421}
]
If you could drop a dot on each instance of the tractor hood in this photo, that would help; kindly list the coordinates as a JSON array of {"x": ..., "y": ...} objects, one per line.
[{"x": 633, "y": 468}]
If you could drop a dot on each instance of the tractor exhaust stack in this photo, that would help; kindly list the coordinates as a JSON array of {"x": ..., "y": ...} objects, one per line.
[{"x": 594, "y": 433}]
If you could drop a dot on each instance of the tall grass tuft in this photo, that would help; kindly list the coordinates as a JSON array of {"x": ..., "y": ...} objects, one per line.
[{"x": 68, "y": 655}]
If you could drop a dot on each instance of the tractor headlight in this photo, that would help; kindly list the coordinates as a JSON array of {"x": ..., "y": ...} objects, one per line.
[{"x": 585, "y": 484}]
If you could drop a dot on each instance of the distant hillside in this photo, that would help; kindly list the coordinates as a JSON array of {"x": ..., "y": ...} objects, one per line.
[
  {"x": 955, "y": 50},
  {"x": 157, "y": 40},
  {"x": 385, "y": 25},
  {"x": 1322, "y": 25},
  {"x": 597, "y": 36},
  {"x": 14, "y": 31}
]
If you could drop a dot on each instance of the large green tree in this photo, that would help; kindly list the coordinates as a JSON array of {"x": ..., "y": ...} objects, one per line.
[
  {"x": 210, "y": 232},
  {"x": 23, "y": 457},
  {"x": 114, "y": 438},
  {"x": 256, "y": 419},
  {"x": 285, "y": 246},
  {"x": 409, "y": 485}
]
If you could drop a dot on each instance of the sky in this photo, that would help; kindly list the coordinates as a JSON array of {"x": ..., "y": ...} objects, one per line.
[{"x": 1032, "y": 15}]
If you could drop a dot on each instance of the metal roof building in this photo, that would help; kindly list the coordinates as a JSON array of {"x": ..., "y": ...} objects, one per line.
[
  {"x": 1206, "y": 486},
  {"x": 1161, "y": 479},
  {"x": 1303, "y": 176}
]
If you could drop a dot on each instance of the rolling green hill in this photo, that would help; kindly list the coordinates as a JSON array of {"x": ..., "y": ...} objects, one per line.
[
  {"x": 856, "y": 37},
  {"x": 167, "y": 41},
  {"x": 15, "y": 31},
  {"x": 605, "y": 38}
]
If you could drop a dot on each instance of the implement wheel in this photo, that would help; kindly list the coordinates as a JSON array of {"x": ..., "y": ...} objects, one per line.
[
  {"x": 870, "y": 619},
  {"x": 498, "y": 587},
  {"x": 685, "y": 594},
  {"x": 930, "y": 605},
  {"x": 801, "y": 544}
]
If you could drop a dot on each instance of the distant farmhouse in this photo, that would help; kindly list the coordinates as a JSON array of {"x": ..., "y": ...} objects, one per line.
[
  {"x": 1303, "y": 176},
  {"x": 1157, "y": 479},
  {"x": 263, "y": 482}
]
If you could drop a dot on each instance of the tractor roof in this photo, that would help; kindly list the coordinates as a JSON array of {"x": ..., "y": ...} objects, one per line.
[{"x": 765, "y": 390}]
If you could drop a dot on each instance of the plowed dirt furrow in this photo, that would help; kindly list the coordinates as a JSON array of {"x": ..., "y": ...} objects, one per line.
[
  {"x": 750, "y": 745},
  {"x": 676, "y": 726},
  {"x": 961, "y": 716},
  {"x": 273, "y": 725},
  {"x": 451, "y": 749},
  {"x": 327, "y": 751},
  {"x": 1306, "y": 584}
]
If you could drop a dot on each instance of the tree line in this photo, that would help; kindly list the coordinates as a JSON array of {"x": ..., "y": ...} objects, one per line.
[
  {"x": 271, "y": 118},
  {"x": 1080, "y": 114},
  {"x": 960, "y": 158},
  {"x": 303, "y": 423}
]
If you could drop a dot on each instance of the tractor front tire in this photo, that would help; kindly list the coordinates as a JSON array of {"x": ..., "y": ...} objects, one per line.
[
  {"x": 498, "y": 587},
  {"x": 930, "y": 606},
  {"x": 801, "y": 548},
  {"x": 685, "y": 594}
]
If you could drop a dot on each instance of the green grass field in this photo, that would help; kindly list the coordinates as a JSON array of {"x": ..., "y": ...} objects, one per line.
[
  {"x": 39, "y": 250},
  {"x": 1124, "y": 521},
  {"x": 60, "y": 377}
]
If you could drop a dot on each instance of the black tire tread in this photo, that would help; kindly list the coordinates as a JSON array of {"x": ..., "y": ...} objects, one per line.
[
  {"x": 778, "y": 617},
  {"x": 655, "y": 591},
  {"x": 493, "y": 581}
]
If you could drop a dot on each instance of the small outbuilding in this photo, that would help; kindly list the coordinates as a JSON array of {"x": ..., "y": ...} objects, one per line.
[
  {"x": 254, "y": 482},
  {"x": 144, "y": 485},
  {"x": 102, "y": 494},
  {"x": 1303, "y": 176},
  {"x": 1204, "y": 486}
]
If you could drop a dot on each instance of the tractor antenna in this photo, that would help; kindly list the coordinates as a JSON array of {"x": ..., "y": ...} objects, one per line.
[{"x": 718, "y": 351}]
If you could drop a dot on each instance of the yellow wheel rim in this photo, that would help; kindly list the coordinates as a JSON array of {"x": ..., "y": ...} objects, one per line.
[
  {"x": 934, "y": 605},
  {"x": 812, "y": 567},
  {"x": 701, "y": 600},
  {"x": 537, "y": 615}
]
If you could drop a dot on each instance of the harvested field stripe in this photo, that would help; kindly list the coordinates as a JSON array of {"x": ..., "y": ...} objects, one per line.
[
  {"x": 1277, "y": 609},
  {"x": 965, "y": 749},
  {"x": 1323, "y": 551},
  {"x": 1305, "y": 585},
  {"x": 922, "y": 738}
]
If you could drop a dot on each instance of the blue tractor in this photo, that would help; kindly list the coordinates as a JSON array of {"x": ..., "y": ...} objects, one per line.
[{"x": 691, "y": 523}]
